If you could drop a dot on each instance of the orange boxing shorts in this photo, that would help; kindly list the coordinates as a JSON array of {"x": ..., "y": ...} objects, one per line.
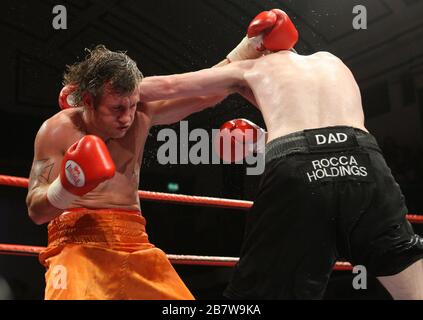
[{"x": 105, "y": 254}]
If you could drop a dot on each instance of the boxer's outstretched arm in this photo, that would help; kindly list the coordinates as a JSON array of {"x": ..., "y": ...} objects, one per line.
[
  {"x": 174, "y": 110},
  {"x": 208, "y": 82}
]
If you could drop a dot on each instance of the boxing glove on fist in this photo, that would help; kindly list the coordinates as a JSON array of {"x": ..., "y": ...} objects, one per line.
[
  {"x": 270, "y": 30},
  {"x": 276, "y": 29},
  {"x": 66, "y": 97},
  {"x": 85, "y": 165},
  {"x": 238, "y": 139}
]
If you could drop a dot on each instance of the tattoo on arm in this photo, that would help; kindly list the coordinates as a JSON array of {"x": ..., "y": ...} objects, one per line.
[{"x": 41, "y": 172}]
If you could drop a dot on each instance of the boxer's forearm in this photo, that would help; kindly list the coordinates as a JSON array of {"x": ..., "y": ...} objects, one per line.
[
  {"x": 171, "y": 111},
  {"x": 40, "y": 210}
]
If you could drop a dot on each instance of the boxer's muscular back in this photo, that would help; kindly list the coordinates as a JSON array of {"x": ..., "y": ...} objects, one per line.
[
  {"x": 297, "y": 92},
  {"x": 65, "y": 128}
]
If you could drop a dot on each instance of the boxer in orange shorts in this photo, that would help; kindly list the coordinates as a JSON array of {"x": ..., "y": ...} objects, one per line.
[{"x": 84, "y": 181}]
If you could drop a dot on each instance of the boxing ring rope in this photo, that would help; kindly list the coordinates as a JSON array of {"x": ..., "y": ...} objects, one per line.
[
  {"x": 178, "y": 198},
  {"x": 25, "y": 250},
  {"x": 156, "y": 196}
]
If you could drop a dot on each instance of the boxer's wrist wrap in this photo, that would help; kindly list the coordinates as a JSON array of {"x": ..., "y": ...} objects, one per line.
[
  {"x": 58, "y": 196},
  {"x": 247, "y": 49}
]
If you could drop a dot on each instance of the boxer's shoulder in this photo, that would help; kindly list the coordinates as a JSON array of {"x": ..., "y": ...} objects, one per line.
[
  {"x": 61, "y": 129},
  {"x": 324, "y": 54},
  {"x": 325, "y": 57},
  {"x": 69, "y": 120}
]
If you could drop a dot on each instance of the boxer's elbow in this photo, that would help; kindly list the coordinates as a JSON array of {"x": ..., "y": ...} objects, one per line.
[
  {"x": 35, "y": 216},
  {"x": 38, "y": 209},
  {"x": 34, "y": 213},
  {"x": 36, "y": 219}
]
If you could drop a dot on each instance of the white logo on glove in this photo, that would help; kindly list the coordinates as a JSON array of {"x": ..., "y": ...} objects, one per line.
[{"x": 74, "y": 174}]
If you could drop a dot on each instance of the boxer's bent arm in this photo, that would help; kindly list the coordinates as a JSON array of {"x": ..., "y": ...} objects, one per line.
[
  {"x": 39, "y": 208},
  {"x": 207, "y": 82},
  {"x": 45, "y": 169}
]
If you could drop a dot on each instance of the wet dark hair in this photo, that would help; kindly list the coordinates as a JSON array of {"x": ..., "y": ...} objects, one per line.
[{"x": 99, "y": 67}]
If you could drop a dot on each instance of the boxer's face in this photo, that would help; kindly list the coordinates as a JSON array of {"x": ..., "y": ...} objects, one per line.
[{"x": 114, "y": 114}]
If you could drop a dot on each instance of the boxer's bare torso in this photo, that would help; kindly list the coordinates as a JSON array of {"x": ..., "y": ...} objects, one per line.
[
  {"x": 297, "y": 92},
  {"x": 67, "y": 127}
]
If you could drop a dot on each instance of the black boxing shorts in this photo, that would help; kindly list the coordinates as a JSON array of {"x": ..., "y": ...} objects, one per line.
[{"x": 326, "y": 194}]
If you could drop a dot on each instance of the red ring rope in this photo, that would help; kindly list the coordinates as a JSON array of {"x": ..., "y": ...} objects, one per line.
[
  {"x": 178, "y": 198},
  {"x": 172, "y": 198},
  {"x": 23, "y": 250}
]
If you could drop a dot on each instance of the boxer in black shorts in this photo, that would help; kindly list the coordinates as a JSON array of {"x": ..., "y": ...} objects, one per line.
[
  {"x": 325, "y": 194},
  {"x": 319, "y": 199}
]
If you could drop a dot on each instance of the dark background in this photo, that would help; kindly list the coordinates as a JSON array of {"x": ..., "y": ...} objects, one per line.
[{"x": 170, "y": 36}]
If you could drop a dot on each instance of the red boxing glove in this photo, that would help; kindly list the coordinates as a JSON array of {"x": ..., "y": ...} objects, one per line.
[
  {"x": 85, "y": 165},
  {"x": 276, "y": 28},
  {"x": 270, "y": 30},
  {"x": 237, "y": 139},
  {"x": 66, "y": 98}
]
